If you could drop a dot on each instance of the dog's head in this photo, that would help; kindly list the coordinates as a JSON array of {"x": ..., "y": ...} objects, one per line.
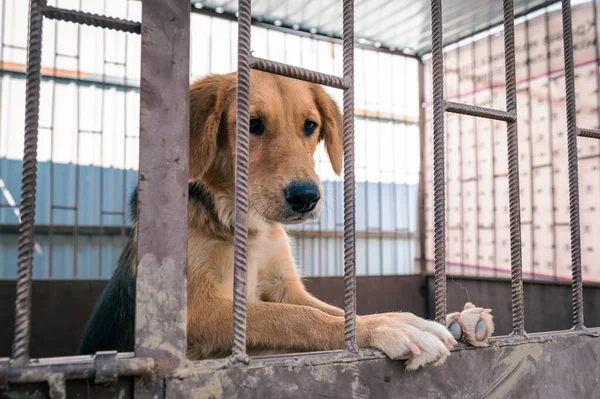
[{"x": 288, "y": 118}]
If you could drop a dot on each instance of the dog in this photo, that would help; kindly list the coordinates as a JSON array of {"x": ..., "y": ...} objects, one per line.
[{"x": 288, "y": 120}]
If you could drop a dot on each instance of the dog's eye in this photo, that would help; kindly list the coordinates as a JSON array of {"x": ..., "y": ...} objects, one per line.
[
  {"x": 309, "y": 127},
  {"x": 257, "y": 126}
]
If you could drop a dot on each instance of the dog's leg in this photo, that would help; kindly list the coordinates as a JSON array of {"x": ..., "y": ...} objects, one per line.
[
  {"x": 473, "y": 325},
  {"x": 293, "y": 292},
  {"x": 292, "y": 328},
  {"x": 280, "y": 282}
]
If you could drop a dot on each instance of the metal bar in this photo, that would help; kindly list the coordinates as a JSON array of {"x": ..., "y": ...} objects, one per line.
[
  {"x": 90, "y": 19},
  {"x": 349, "y": 183},
  {"x": 590, "y": 133},
  {"x": 474, "y": 110},
  {"x": 573, "y": 166},
  {"x": 438, "y": 161},
  {"x": 516, "y": 278},
  {"x": 74, "y": 368},
  {"x": 242, "y": 155},
  {"x": 28, "y": 184},
  {"x": 295, "y": 72},
  {"x": 161, "y": 320}
]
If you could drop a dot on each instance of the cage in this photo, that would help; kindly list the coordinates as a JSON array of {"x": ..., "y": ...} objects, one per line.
[{"x": 436, "y": 99}]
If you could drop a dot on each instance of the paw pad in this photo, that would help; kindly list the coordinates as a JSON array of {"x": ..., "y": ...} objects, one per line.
[{"x": 473, "y": 325}]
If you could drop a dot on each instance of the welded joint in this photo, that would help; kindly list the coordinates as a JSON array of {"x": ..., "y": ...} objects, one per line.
[
  {"x": 240, "y": 358},
  {"x": 106, "y": 367},
  {"x": 585, "y": 331},
  {"x": 518, "y": 335},
  {"x": 4, "y": 370}
]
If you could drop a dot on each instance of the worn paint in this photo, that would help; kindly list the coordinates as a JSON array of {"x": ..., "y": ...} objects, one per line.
[{"x": 508, "y": 368}]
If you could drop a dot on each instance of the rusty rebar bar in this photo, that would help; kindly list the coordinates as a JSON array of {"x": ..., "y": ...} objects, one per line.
[
  {"x": 86, "y": 18},
  {"x": 439, "y": 216},
  {"x": 589, "y": 133},
  {"x": 279, "y": 68},
  {"x": 28, "y": 184},
  {"x": 349, "y": 184},
  {"x": 516, "y": 277},
  {"x": 577, "y": 285},
  {"x": 475, "y": 110},
  {"x": 242, "y": 156}
]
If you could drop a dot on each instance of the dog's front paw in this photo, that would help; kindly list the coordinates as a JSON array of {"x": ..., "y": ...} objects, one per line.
[
  {"x": 473, "y": 325},
  {"x": 401, "y": 334}
]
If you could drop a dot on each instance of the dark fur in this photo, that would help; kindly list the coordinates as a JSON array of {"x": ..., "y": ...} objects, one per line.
[{"x": 112, "y": 323}]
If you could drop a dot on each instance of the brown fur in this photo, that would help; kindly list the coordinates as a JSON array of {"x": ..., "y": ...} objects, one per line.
[{"x": 281, "y": 315}]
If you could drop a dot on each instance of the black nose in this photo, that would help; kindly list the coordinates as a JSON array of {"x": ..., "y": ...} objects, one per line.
[{"x": 302, "y": 196}]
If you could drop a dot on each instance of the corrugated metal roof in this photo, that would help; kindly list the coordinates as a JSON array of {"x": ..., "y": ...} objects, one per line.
[{"x": 396, "y": 24}]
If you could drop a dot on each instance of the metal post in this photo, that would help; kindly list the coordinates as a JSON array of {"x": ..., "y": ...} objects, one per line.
[
  {"x": 28, "y": 184},
  {"x": 439, "y": 188},
  {"x": 573, "y": 166},
  {"x": 161, "y": 315},
  {"x": 349, "y": 184},
  {"x": 516, "y": 277},
  {"x": 242, "y": 156}
]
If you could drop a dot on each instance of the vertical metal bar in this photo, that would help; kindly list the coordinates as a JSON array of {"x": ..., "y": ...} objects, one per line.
[
  {"x": 161, "y": 320},
  {"x": 349, "y": 184},
  {"x": 573, "y": 166},
  {"x": 20, "y": 350},
  {"x": 516, "y": 278},
  {"x": 437, "y": 58},
  {"x": 241, "y": 183}
]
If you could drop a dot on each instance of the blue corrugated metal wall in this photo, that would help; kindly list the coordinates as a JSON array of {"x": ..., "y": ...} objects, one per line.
[{"x": 316, "y": 255}]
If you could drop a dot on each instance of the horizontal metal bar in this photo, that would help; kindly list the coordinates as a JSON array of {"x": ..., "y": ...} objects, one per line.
[
  {"x": 74, "y": 368},
  {"x": 86, "y": 18},
  {"x": 590, "y": 133},
  {"x": 294, "y": 72},
  {"x": 474, "y": 110}
]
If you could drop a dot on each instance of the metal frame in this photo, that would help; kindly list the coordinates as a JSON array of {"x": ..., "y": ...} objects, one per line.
[{"x": 160, "y": 354}]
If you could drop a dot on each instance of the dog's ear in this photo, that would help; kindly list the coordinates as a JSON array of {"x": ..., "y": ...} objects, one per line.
[
  {"x": 332, "y": 127},
  {"x": 209, "y": 99}
]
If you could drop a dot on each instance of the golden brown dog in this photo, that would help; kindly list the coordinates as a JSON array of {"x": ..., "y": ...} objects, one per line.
[{"x": 288, "y": 118}]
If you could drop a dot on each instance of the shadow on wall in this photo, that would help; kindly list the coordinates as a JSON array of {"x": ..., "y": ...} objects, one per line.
[{"x": 60, "y": 308}]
